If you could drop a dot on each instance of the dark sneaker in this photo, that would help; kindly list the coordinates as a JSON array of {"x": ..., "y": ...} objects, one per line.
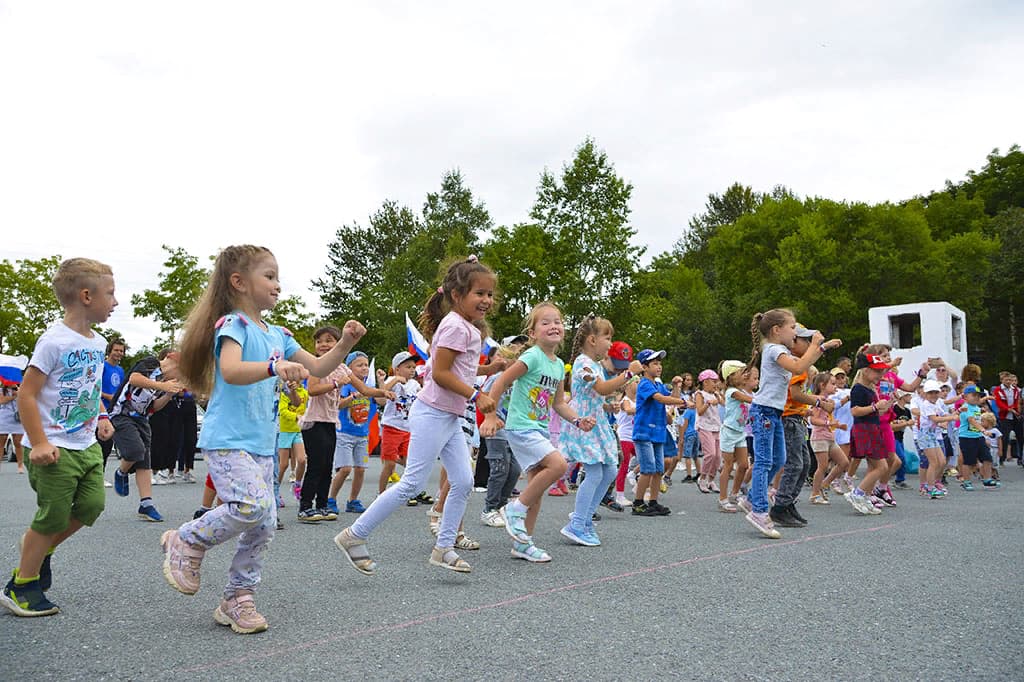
[
  {"x": 354, "y": 507},
  {"x": 149, "y": 513},
  {"x": 780, "y": 516},
  {"x": 309, "y": 516},
  {"x": 27, "y": 600},
  {"x": 280, "y": 524},
  {"x": 120, "y": 483},
  {"x": 611, "y": 504},
  {"x": 595, "y": 517},
  {"x": 797, "y": 515},
  {"x": 988, "y": 483},
  {"x": 902, "y": 485},
  {"x": 199, "y": 513},
  {"x": 641, "y": 509},
  {"x": 660, "y": 508},
  {"x": 424, "y": 498}
]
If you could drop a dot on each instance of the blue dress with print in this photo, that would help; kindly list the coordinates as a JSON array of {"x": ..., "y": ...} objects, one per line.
[{"x": 599, "y": 445}]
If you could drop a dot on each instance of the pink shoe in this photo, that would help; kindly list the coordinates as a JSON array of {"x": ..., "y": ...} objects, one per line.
[
  {"x": 297, "y": 489},
  {"x": 563, "y": 486},
  {"x": 181, "y": 562},
  {"x": 555, "y": 491},
  {"x": 240, "y": 613}
]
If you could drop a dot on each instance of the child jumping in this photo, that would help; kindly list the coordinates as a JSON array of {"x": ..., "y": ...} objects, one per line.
[{"x": 537, "y": 391}]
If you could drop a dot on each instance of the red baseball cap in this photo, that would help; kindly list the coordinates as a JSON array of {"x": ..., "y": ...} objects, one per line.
[{"x": 621, "y": 354}]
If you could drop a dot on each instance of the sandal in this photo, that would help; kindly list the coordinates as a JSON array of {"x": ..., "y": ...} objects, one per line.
[
  {"x": 433, "y": 513},
  {"x": 447, "y": 558},
  {"x": 435, "y": 527},
  {"x": 424, "y": 498},
  {"x": 463, "y": 542},
  {"x": 354, "y": 549}
]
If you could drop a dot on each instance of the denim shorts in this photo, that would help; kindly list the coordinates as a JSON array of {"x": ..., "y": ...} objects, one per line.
[
  {"x": 529, "y": 447},
  {"x": 691, "y": 446},
  {"x": 650, "y": 456}
]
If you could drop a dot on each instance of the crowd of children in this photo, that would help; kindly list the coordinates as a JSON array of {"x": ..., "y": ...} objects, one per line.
[{"x": 755, "y": 433}]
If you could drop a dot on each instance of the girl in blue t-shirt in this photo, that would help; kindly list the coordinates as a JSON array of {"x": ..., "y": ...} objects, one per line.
[
  {"x": 231, "y": 354},
  {"x": 537, "y": 390}
]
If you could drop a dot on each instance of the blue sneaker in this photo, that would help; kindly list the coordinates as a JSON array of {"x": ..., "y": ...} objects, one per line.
[
  {"x": 577, "y": 535},
  {"x": 355, "y": 507},
  {"x": 120, "y": 483},
  {"x": 591, "y": 535},
  {"x": 515, "y": 523},
  {"x": 27, "y": 600},
  {"x": 149, "y": 513},
  {"x": 332, "y": 505}
]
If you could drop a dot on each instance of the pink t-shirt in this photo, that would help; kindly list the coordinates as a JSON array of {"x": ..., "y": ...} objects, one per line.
[
  {"x": 457, "y": 334},
  {"x": 324, "y": 407},
  {"x": 886, "y": 390},
  {"x": 819, "y": 432}
]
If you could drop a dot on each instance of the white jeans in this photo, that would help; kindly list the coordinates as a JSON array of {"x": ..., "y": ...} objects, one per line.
[{"x": 432, "y": 432}]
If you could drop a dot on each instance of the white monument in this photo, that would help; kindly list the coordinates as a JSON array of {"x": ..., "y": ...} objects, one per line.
[{"x": 918, "y": 331}]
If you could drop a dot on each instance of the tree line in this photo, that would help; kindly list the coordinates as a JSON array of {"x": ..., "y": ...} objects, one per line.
[{"x": 747, "y": 251}]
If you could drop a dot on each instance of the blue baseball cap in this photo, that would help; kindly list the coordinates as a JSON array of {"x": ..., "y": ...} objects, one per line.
[
  {"x": 353, "y": 355},
  {"x": 647, "y": 355},
  {"x": 971, "y": 389}
]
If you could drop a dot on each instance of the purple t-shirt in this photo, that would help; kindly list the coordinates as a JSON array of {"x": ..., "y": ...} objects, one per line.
[{"x": 457, "y": 334}]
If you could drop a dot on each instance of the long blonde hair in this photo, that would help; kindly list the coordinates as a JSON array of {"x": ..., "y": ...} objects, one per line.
[{"x": 218, "y": 299}]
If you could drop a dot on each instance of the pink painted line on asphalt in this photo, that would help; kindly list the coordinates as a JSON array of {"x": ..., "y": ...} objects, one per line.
[{"x": 423, "y": 620}]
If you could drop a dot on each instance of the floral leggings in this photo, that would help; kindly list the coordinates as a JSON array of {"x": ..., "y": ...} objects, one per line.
[{"x": 245, "y": 486}]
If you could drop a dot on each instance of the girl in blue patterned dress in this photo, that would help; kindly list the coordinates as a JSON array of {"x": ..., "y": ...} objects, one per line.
[{"x": 597, "y": 449}]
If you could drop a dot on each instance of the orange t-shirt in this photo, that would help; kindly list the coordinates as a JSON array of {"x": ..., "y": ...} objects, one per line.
[{"x": 793, "y": 408}]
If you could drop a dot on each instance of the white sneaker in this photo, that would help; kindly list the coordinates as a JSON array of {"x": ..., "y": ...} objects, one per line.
[
  {"x": 478, "y": 489},
  {"x": 492, "y": 519},
  {"x": 107, "y": 484},
  {"x": 622, "y": 501},
  {"x": 162, "y": 478}
]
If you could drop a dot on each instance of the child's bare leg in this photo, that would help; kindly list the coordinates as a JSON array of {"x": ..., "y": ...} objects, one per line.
[
  {"x": 358, "y": 473},
  {"x": 819, "y": 472},
  {"x": 339, "y": 480},
  {"x": 723, "y": 479},
  {"x": 387, "y": 467},
  {"x": 742, "y": 469}
]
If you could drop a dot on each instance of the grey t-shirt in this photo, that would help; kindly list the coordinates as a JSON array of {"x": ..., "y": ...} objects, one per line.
[{"x": 774, "y": 383}]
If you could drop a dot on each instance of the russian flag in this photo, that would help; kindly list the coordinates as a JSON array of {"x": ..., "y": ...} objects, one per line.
[
  {"x": 371, "y": 381},
  {"x": 418, "y": 345},
  {"x": 485, "y": 350},
  {"x": 11, "y": 368}
]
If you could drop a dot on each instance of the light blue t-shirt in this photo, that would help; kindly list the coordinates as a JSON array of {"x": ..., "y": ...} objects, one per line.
[
  {"x": 735, "y": 414},
  {"x": 970, "y": 412},
  {"x": 533, "y": 394},
  {"x": 245, "y": 417}
]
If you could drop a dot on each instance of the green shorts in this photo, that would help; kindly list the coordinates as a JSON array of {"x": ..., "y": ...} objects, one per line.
[{"x": 70, "y": 488}]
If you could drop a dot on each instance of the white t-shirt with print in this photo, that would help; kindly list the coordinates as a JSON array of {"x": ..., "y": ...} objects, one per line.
[
  {"x": 69, "y": 401},
  {"x": 396, "y": 412}
]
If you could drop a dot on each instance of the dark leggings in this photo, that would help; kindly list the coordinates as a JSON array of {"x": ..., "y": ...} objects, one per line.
[
  {"x": 189, "y": 426},
  {"x": 1006, "y": 427},
  {"x": 319, "y": 440}
]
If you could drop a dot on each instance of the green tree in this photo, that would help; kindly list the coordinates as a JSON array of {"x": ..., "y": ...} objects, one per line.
[
  {"x": 584, "y": 214},
  {"x": 178, "y": 288},
  {"x": 382, "y": 272},
  {"x": 27, "y": 302},
  {"x": 291, "y": 313},
  {"x": 1000, "y": 183}
]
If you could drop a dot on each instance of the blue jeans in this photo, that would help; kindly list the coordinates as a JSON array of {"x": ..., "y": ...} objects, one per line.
[
  {"x": 650, "y": 456},
  {"x": 901, "y": 475},
  {"x": 769, "y": 453}
]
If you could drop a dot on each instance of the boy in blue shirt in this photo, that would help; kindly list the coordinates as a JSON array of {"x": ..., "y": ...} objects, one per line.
[
  {"x": 650, "y": 431},
  {"x": 355, "y": 414},
  {"x": 686, "y": 425}
]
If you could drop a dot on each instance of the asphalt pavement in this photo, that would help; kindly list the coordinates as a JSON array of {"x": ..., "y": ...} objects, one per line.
[{"x": 930, "y": 590}]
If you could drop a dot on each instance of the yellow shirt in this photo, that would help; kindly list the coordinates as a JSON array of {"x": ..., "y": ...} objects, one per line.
[{"x": 288, "y": 413}]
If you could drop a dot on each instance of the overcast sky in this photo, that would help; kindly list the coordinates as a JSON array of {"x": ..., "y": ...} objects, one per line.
[{"x": 124, "y": 125}]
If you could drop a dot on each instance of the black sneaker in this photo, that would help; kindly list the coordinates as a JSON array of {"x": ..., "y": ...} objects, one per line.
[
  {"x": 780, "y": 516},
  {"x": 797, "y": 515},
  {"x": 280, "y": 524},
  {"x": 424, "y": 498},
  {"x": 661, "y": 509},
  {"x": 27, "y": 600},
  {"x": 610, "y": 503},
  {"x": 902, "y": 485},
  {"x": 641, "y": 509},
  {"x": 309, "y": 516},
  {"x": 45, "y": 574},
  {"x": 199, "y": 513}
]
